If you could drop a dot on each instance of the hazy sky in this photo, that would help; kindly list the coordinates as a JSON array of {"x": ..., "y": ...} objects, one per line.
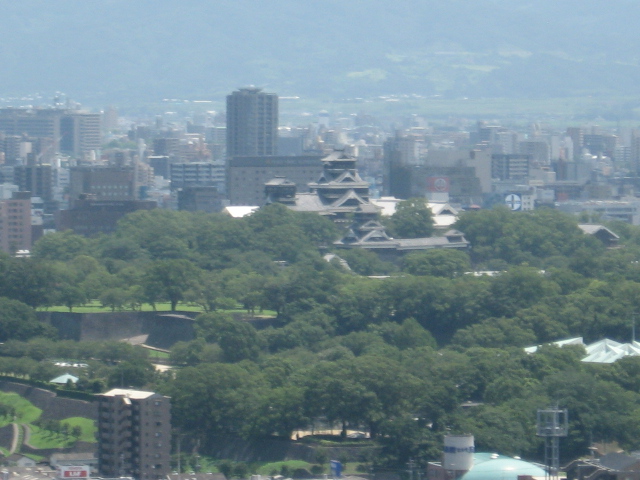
[{"x": 116, "y": 49}]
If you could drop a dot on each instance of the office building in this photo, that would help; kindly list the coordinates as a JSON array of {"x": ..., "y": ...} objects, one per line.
[
  {"x": 196, "y": 174},
  {"x": 160, "y": 165},
  {"x": 169, "y": 146},
  {"x": 134, "y": 434},
  {"x": 90, "y": 217},
  {"x": 15, "y": 223},
  {"x": 104, "y": 183},
  {"x": 247, "y": 176},
  {"x": 466, "y": 176},
  {"x": 200, "y": 199},
  {"x": 577, "y": 138},
  {"x": 13, "y": 150},
  {"x": 252, "y": 123},
  {"x": 538, "y": 150},
  {"x": 70, "y": 131},
  {"x": 400, "y": 152},
  {"x": 80, "y": 133},
  {"x": 37, "y": 179},
  {"x": 510, "y": 167}
]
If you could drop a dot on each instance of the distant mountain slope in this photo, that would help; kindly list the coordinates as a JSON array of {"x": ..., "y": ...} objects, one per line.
[{"x": 119, "y": 50}]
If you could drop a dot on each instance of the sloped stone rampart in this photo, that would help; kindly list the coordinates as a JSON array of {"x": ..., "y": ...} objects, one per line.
[
  {"x": 52, "y": 406},
  {"x": 161, "y": 329},
  {"x": 274, "y": 450}
]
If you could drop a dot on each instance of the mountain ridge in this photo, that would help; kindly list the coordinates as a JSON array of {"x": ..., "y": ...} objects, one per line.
[{"x": 118, "y": 51}]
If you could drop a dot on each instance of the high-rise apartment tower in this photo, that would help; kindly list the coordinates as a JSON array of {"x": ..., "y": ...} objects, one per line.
[
  {"x": 252, "y": 123},
  {"x": 134, "y": 434}
]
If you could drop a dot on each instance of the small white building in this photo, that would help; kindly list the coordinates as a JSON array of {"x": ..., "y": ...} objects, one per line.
[{"x": 64, "y": 379}]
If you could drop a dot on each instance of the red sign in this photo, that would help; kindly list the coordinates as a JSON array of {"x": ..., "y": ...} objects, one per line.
[
  {"x": 74, "y": 472},
  {"x": 438, "y": 184}
]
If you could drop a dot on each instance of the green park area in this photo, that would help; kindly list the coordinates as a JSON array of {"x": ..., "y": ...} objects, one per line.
[
  {"x": 286, "y": 468},
  {"x": 15, "y": 408},
  {"x": 401, "y": 351},
  {"x": 43, "y": 434},
  {"x": 94, "y": 306}
]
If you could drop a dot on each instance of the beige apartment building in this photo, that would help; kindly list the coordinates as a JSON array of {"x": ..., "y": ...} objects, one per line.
[{"x": 15, "y": 223}]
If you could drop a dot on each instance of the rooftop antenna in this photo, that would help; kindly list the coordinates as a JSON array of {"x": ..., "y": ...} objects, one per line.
[{"x": 552, "y": 424}]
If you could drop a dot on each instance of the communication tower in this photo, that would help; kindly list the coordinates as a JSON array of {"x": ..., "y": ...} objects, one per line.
[{"x": 552, "y": 424}]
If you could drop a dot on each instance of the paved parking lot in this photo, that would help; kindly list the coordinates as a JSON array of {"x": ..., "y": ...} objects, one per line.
[{"x": 27, "y": 473}]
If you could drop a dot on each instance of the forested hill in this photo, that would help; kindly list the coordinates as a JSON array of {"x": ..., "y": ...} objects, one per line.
[
  {"x": 398, "y": 357},
  {"x": 118, "y": 50}
]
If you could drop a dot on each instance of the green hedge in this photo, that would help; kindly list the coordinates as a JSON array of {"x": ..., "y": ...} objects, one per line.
[{"x": 61, "y": 392}]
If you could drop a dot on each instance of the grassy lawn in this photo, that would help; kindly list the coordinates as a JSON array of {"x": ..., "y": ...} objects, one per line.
[
  {"x": 87, "y": 425},
  {"x": 269, "y": 468},
  {"x": 96, "y": 307},
  {"x": 26, "y": 412},
  {"x": 156, "y": 354},
  {"x": 351, "y": 468},
  {"x": 209, "y": 464},
  {"x": 41, "y": 438}
]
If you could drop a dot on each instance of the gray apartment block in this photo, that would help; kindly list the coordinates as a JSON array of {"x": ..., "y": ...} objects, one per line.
[
  {"x": 134, "y": 434},
  {"x": 252, "y": 123}
]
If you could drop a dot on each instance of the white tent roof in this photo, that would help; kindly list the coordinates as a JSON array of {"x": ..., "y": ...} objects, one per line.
[
  {"x": 559, "y": 343},
  {"x": 63, "y": 379},
  {"x": 239, "y": 211},
  {"x": 609, "y": 351},
  {"x": 602, "y": 351}
]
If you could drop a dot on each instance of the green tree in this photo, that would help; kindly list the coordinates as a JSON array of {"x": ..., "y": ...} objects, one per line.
[
  {"x": 162, "y": 234},
  {"x": 333, "y": 392},
  {"x": 520, "y": 287},
  {"x": 409, "y": 334},
  {"x": 206, "y": 292},
  {"x": 28, "y": 280},
  {"x": 71, "y": 296},
  {"x": 238, "y": 340},
  {"x": 169, "y": 280},
  {"x": 281, "y": 411},
  {"x": 215, "y": 399},
  {"x": 364, "y": 262},
  {"x": 114, "y": 298},
  {"x": 131, "y": 374},
  {"x": 437, "y": 263},
  {"x": 412, "y": 219},
  {"x": 494, "y": 333},
  {"x": 60, "y": 246},
  {"x": 519, "y": 237},
  {"x": 18, "y": 321}
]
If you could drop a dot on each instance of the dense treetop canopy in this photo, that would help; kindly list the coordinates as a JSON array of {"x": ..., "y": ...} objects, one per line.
[{"x": 397, "y": 356}]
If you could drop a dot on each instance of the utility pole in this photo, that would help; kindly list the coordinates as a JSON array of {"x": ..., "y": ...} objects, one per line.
[{"x": 411, "y": 465}]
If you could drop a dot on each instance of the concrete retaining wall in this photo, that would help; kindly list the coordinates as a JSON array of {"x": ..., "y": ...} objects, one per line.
[{"x": 161, "y": 329}]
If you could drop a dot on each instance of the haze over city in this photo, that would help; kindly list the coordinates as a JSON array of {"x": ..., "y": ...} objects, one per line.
[
  {"x": 130, "y": 53},
  {"x": 290, "y": 239}
]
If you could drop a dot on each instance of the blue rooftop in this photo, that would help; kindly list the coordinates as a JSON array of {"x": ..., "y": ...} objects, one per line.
[{"x": 491, "y": 466}]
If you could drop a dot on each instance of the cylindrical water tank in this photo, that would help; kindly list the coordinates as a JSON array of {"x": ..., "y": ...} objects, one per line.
[{"x": 458, "y": 452}]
